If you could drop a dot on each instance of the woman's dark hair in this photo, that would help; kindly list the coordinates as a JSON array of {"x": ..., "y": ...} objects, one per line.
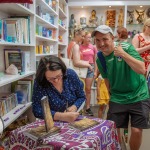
[{"x": 51, "y": 63}]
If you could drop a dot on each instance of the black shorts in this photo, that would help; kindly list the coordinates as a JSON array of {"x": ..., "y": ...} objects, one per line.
[{"x": 139, "y": 113}]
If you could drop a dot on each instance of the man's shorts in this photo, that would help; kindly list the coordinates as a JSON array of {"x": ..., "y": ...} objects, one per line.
[
  {"x": 90, "y": 74},
  {"x": 139, "y": 113}
]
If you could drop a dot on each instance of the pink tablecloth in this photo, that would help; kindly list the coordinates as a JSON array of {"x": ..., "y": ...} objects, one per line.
[{"x": 100, "y": 137}]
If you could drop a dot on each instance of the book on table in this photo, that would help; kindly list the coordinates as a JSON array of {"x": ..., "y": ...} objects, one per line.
[{"x": 84, "y": 124}]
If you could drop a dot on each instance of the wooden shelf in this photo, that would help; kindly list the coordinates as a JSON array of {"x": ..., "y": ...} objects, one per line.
[
  {"x": 6, "y": 79},
  {"x": 41, "y": 38},
  {"x": 46, "y": 7},
  {"x": 15, "y": 113},
  {"x": 44, "y": 23},
  {"x": 61, "y": 28},
  {"x": 15, "y": 9},
  {"x": 61, "y": 14}
]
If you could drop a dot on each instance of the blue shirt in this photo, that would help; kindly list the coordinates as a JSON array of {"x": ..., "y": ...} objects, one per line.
[{"x": 72, "y": 93}]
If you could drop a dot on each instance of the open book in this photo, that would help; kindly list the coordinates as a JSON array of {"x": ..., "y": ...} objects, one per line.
[
  {"x": 40, "y": 132},
  {"x": 84, "y": 124}
]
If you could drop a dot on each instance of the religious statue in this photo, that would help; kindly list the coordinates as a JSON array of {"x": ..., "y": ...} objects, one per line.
[
  {"x": 93, "y": 19},
  {"x": 83, "y": 21},
  {"x": 110, "y": 18},
  {"x": 140, "y": 18},
  {"x": 120, "y": 18},
  {"x": 131, "y": 16},
  {"x": 72, "y": 22}
]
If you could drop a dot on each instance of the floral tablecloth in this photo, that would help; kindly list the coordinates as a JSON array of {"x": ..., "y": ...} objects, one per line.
[{"x": 100, "y": 137}]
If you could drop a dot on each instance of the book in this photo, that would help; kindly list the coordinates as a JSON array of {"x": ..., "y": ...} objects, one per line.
[
  {"x": 30, "y": 88},
  {"x": 22, "y": 91},
  {"x": 40, "y": 132},
  {"x": 13, "y": 56},
  {"x": 83, "y": 124}
]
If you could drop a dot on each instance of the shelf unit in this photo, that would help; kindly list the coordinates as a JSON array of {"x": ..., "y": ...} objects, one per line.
[
  {"x": 7, "y": 10},
  {"x": 63, "y": 28}
]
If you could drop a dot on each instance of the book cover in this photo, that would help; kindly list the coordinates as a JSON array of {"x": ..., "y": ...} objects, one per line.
[
  {"x": 6, "y": 59},
  {"x": 22, "y": 91},
  {"x": 84, "y": 124},
  {"x": 30, "y": 88},
  {"x": 40, "y": 132},
  {"x": 15, "y": 59}
]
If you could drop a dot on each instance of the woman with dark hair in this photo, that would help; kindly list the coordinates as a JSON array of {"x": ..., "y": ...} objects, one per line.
[{"x": 62, "y": 86}]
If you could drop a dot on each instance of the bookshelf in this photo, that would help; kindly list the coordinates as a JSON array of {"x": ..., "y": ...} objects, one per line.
[
  {"x": 63, "y": 28},
  {"x": 49, "y": 18},
  {"x": 7, "y": 10}
]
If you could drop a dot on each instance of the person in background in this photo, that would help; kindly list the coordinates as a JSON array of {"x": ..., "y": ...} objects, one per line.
[
  {"x": 62, "y": 86},
  {"x": 73, "y": 49},
  {"x": 141, "y": 42},
  {"x": 125, "y": 81},
  {"x": 102, "y": 96},
  {"x": 122, "y": 34},
  {"x": 88, "y": 52}
]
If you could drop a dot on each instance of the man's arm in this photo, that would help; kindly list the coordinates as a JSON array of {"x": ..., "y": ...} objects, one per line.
[{"x": 136, "y": 65}]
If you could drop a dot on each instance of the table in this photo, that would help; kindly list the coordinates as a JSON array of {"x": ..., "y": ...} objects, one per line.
[{"x": 99, "y": 137}]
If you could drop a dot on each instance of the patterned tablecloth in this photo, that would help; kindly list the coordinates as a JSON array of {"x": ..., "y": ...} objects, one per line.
[{"x": 100, "y": 137}]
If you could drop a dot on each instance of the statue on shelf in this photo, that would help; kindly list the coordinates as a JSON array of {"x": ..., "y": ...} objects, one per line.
[
  {"x": 72, "y": 22},
  {"x": 140, "y": 18},
  {"x": 131, "y": 16},
  {"x": 83, "y": 21},
  {"x": 110, "y": 18},
  {"x": 93, "y": 19},
  {"x": 120, "y": 18}
]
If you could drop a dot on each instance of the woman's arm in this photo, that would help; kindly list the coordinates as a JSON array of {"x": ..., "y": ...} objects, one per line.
[
  {"x": 136, "y": 44},
  {"x": 76, "y": 58}
]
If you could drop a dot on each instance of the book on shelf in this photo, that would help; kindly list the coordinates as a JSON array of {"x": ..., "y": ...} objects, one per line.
[
  {"x": 21, "y": 59},
  {"x": 30, "y": 88},
  {"x": 8, "y": 101},
  {"x": 84, "y": 124},
  {"x": 22, "y": 91}
]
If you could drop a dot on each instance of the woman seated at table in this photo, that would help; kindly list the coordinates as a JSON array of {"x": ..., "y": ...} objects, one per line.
[{"x": 62, "y": 86}]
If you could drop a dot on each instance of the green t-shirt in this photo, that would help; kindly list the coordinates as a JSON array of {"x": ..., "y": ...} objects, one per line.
[{"x": 126, "y": 86}]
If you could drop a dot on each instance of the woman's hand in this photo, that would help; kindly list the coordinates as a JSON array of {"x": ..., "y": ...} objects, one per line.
[
  {"x": 69, "y": 116},
  {"x": 90, "y": 67},
  {"x": 72, "y": 108}
]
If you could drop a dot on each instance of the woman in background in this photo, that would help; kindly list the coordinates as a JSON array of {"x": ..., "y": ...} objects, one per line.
[
  {"x": 122, "y": 34},
  {"x": 89, "y": 52},
  {"x": 62, "y": 87},
  {"x": 74, "y": 49},
  {"x": 142, "y": 43}
]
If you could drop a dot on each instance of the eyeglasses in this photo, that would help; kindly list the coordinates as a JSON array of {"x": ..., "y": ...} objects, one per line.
[{"x": 53, "y": 79}]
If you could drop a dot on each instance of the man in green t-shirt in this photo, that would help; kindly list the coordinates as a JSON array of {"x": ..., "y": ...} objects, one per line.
[{"x": 124, "y": 78}]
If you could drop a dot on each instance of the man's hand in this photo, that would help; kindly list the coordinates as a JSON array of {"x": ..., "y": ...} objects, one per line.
[{"x": 118, "y": 51}]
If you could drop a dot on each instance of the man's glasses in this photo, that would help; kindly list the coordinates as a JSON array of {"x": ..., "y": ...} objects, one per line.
[{"x": 53, "y": 79}]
